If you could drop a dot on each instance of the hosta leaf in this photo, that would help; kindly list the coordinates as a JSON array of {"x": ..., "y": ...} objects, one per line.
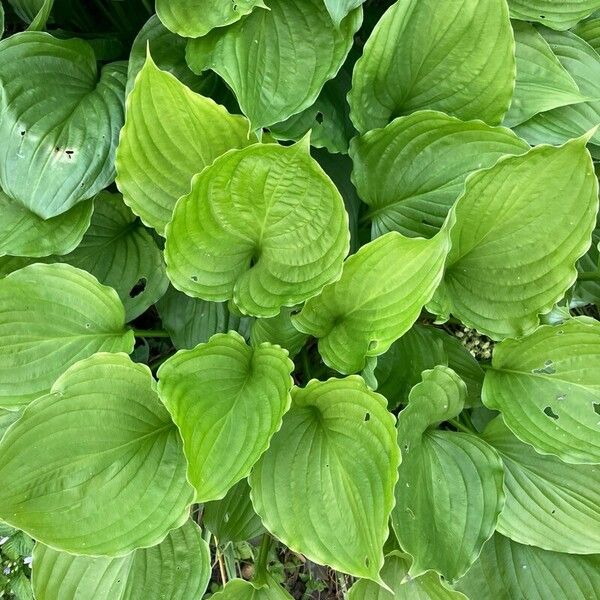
[
  {"x": 59, "y": 138},
  {"x": 122, "y": 254},
  {"x": 96, "y": 466},
  {"x": 168, "y": 50},
  {"x": 178, "y": 569},
  {"x": 263, "y": 226},
  {"x": 507, "y": 570},
  {"x": 547, "y": 387},
  {"x": 23, "y": 233},
  {"x": 419, "y": 349},
  {"x": 588, "y": 292},
  {"x": 339, "y": 9},
  {"x": 542, "y": 82},
  {"x": 52, "y": 316},
  {"x": 549, "y": 504},
  {"x": 170, "y": 134},
  {"x": 455, "y": 56},
  {"x": 228, "y": 400},
  {"x": 395, "y": 570},
  {"x": 328, "y": 119},
  {"x": 238, "y": 589},
  {"x": 561, "y": 124},
  {"x": 413, "y": 170},
  {"x": 557, "y": 15},
  {"x": 380, "y": 295},
  {"x": 280, "y": 75},
  {"x": 325, "y": 485},
  {"x": 195, "y": 18},
  {"x": 520, "y": 228},
  {"x": 443, "y": 473},
  {"x": 7, "y": 418},
  {"x": 26, "y": 9},
  {"x": 190, "y": 321},
  {"x": 232, "y": 519},
  {"x": 589, "y": 31},
  {"x": 278, "y": 330}
]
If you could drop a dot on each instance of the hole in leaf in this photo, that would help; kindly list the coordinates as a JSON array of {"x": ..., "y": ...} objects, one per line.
[
  {"x": 319, "y": 118},
  {"x": 194, "y": 278},
  {"x": 596, "y": 407},
  {"x": 367, "y": 562},
  {"x": 542, "y": 16},
  {"x": 547, "y": 369},
  {"x": 550, "y": 413},
  {"x": 23, "y": 133},
  {"x": 367, "y": 417},
  {"x": 69, "y": 153},
  {"x": 138, "y": 288}
]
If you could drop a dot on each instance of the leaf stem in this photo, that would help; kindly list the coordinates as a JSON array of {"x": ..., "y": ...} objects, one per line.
[
  {"x": 589, "y": 276},
  {"x": 221, "y": 563},
  {"x": 458, "y": 425},
  {"x": 151, "y": 333},
  {"x": 263, "y": 559}
]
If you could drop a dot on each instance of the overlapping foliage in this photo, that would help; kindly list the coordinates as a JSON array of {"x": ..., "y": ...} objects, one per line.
[{"x": 240, "y": 243}]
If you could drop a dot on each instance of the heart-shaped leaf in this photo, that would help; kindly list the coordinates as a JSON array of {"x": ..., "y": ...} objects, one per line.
[
  {"x": 59, "y": 138},
  {"x": 278, "y": 330},
  {"x": 208, "y": 390},
  {"x": 507, "y": 570},
  {"x": 52, "y": 316},
  {"x": 195, "y": 18},
  {"x": 96, "y": 466},
  {"x": 23, "y": 233},
  {"x": 263, "y": 226},
  {"x": 178, "y": 569},
  {"x": 379, "y": 296},
  {"x": 339, "y": 9},
  {"x": 557, "y": 15},
  {"x": 325, "y": 485},
  {"x": 547, "y": 387},
  {"x": 404, "y": 587},
  {"x": 412, "y": 171},
  {"x": 443, "y": 473},
  {"x": 520, "y": 228},
  {"x": 549, "y": 504},
  {"x": 276, "y": 60},
  {"x": 170, "y": 134},
  {"x": 455, "y": 56}
]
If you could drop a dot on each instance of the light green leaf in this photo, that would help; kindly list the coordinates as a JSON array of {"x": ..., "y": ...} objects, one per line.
[
  {"x": 238, "y": 589},
  {"x": 520, "y": 228},
  {"x": 395, "y": 574},
  {"x": 412, "y": 171},
  {"x": 195, "y": 18},
  {"x": 589, "y": 31},
  {"x": 190, "y": 321},
  {"x": 96, "y": 466},
  {"x": 421, "y": 348},
  {"x": 59, "y": 138},
  {"x": 507, "y": 571},
  {"x": 176, "y": 569},
  {"x": 278, "y": 330},
  {"x": 232, "y": 519},
  {"x": 325, "y": 485},
  {"x": 52, "y": 316},
  {"x": 170, "y": 134},
  {"x": 379, "y": 296},
  {"x": 557, "y": 15},
  {"x": 449, "y": 492},
  {"x": 263, "y": 226},
  {"x": 23, "y": 233},
  {"x": 455, "y": 56},
  {"x": 121, "y": 254},
  {"x": 276, "y": 60},
  {"x": 40, "y": 20},
  {"x": 228, "y": 400},
  {"x": 547, "y": 387},
  {"x": 588, "y": 292},
  {"x": 542, "y": 82},
  {"x": 339, "y": 9},
  {"x": 561, "y": 124},
  {"x": 549, "y": 504},
  {"x": 168, "y": 50}
]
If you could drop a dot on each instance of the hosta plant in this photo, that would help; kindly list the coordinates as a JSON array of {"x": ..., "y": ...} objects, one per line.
[{"x": 300, "y": 298}]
